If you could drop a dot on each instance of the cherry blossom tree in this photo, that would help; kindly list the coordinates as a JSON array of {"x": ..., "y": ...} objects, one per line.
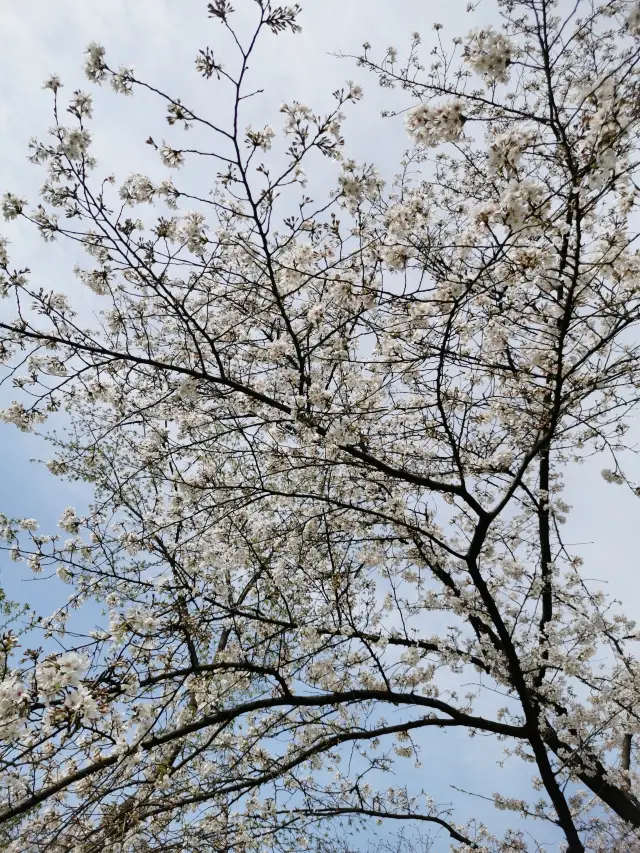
[{"x": 326, "y": 442}]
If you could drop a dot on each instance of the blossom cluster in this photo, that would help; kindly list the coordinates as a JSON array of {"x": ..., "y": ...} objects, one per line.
[
  {"x": 431, "y": 125},
  {"x": 490, "y": 54}
]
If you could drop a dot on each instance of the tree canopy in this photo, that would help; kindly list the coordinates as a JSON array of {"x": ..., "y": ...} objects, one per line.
[{"x": 327, "y": 441}]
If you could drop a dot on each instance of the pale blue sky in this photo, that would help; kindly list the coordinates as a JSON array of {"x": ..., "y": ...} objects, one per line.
[{"x": 160, "y": 38}]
